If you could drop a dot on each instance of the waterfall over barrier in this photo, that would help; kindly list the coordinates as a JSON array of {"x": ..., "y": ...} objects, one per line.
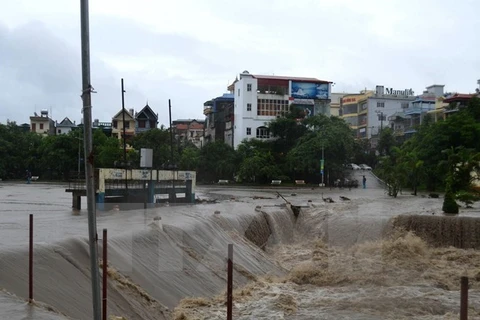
[
  {"x": 442, "y": 231},
  {"x": 151, "y": 270}
]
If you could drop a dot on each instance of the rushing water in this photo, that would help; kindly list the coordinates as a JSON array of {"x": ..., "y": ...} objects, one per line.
[{"x": 330, "y": 262}]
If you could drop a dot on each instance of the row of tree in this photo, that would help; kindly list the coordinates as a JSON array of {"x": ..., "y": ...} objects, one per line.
[
  {"x": 443, "y": 155},
  {"x": 294, "y": 154}
]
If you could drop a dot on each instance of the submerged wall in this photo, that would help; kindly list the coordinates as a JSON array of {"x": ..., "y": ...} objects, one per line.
[
  {"x": 152, "y": 269},
  {"x": 459, "y": 232}
]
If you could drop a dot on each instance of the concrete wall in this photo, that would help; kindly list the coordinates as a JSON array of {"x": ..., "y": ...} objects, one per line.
[{"x": 144, "y": 174}]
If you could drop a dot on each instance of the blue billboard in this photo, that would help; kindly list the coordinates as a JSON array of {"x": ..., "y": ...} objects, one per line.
[{"x": 308, "y": 90}]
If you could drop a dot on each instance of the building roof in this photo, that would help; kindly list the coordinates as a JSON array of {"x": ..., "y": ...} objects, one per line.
[
  {"x": 66, "y": 122},
  {"x": 147, "y": 112},
  {"x": 127, "y": 114},
  {"x": 300, "y": 79},
  {"x": 187, "y": 121},
  {"x": 39, "y": 118},
  {"x": 459, "y": 97}
]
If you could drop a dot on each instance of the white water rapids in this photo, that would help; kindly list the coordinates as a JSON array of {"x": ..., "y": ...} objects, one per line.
[{"x": 169, "y": 262}]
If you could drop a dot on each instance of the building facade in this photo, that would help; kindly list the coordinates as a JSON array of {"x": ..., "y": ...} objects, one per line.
[
  {"x": 367, "y": 113},
  {"x": 65, "y": 126},
  {"x": 189, "y": 130},
  {"x": 219, "y": 119},
  {"x": 145, "y": 119},
  {"x": 42, "y": 124},
  {"x": 118, "y": 124},
  {"x": 404, "y": 123},
  {"x": 260, "y": 99},
  {"x": 335, "y": 102}
]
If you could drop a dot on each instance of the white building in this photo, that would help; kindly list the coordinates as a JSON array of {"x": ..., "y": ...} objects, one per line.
[
  {"x": 260, "y": 99},
  {"x": 65, "y": 126}
]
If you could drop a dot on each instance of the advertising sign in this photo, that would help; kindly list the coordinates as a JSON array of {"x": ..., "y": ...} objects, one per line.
[{"x": 307, "y": 90}]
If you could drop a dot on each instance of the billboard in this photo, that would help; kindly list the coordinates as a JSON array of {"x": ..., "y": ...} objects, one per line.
[{"x": 308, "y": 90}]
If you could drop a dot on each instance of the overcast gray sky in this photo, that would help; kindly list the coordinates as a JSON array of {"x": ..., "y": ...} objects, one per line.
[{"x": 189, "y": 50}]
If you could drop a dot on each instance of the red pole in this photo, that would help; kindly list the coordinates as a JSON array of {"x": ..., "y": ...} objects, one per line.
[
  {"x": 30, "y": 262},
  {"x": 464, "y": 298},
  {"x": 230, "y": 282},
  {"x": 105, "y": 275}
]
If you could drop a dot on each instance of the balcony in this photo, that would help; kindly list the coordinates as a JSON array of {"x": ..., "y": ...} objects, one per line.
[{"x": 207, "y": 110}]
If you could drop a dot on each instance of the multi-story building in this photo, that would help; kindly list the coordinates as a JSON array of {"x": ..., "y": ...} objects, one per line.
[
  {"x": 145, "y": 119},
  {"x": 42, "y": 124},
  {"x": 259, "y": 99},
  {"x": 219, "y": 119},
  {"x": 335, "y": 102},
  {"x": 189, "y": 130},
  {"x": 405, "y": 122},
  {"x": 354, "y": 111},
  {"x": 118, "y": 125},
  {"x": 368, "y": 113}
]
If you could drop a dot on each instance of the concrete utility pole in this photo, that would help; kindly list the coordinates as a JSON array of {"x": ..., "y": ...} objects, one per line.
[
  {"x": 124, "y": 142},
  {"x": 89, "y": 171}
]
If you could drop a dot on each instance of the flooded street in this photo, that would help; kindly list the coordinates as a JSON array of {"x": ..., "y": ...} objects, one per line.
[{"x": 336, "y": 260}]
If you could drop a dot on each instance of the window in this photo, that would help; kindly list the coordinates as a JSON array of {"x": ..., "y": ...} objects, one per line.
[
  {"x": 263, "y": 133},
  {"x": 380, "y": 104},
  {"x": 59, "y": 131},
  {"x": 191, "y": 134},
  {"x": 239, "y": 92},
  {"x": 127, "y": 124},
  {"x": 249, "y": 107},
  {"x": 249, "y": 87},
  {"x": 249, "y": 131},
  {"x": 404, "y": 105},
  {"x": 41, "y": 126},
  {"x": 267, "y": 107},
  {"x": 114, "y": 123},
  {"x": 142, "y": 123}
]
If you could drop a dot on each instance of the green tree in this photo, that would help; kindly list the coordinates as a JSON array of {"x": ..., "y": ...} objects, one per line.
[
  {"x": 189, "y": 158},
  {"x": 217, "y": 161},
  {"x": 330, "y": 137},
  {"x": 58, "y": 156},
  {"x": 386, "y": 142},
  {"x": 158, "y": 140},
  {"x": 392, "y": 172}
]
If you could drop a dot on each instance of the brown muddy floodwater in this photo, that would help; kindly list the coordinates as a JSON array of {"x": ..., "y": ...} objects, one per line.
[{"x": 339, "y": 260}]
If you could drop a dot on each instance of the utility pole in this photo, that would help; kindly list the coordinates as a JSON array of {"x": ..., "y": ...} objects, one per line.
[
  {"x": 89, "y": 171},
  {"x": 79, "y": 154},
  {"x": 381, "y": 121},
  {"x": 124, "y": 140},
  {"x": 322, "y": 165},
  {"x": 171, "y": 150}
]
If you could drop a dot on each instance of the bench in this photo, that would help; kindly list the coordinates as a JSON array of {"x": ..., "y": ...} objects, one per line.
[
  {"x": 299, "y": 181},
  {"x": 276, "y": 181},
  {"x": 222, "y": 181}
]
